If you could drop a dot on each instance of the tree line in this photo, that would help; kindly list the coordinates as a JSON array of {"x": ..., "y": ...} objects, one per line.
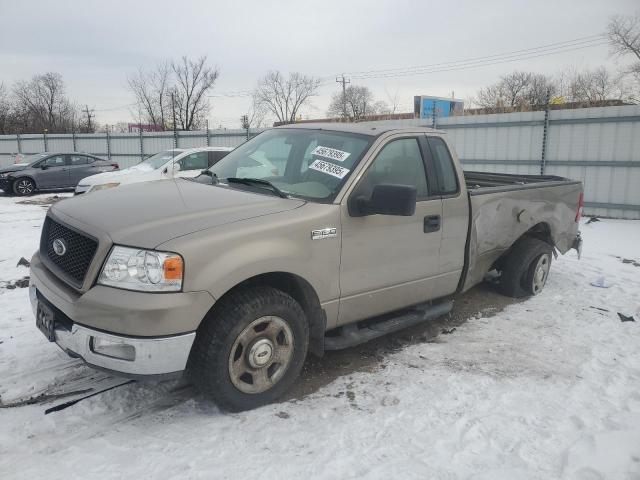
[{"x": 176, "y": 93}]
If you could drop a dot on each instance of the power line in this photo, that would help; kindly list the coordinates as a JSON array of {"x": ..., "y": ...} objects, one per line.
[
  {"x": 555, "y": 48},
  {"x": 462, "y": 65},
  {"x": 549, "y": 46}
]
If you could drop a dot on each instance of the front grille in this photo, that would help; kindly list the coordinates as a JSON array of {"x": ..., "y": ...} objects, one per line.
[{"x": 79, "y": 249}]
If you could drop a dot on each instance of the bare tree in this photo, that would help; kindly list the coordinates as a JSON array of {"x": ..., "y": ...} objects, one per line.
[
  {"x": 594, "y": 86},
  {"x": 356, "y": 103},
  {"x": 284, "y": 97},
  {"x": 254, "y": 117},
  {"x": 43, "y": 105},
  {"x": 5, "y": 110},
  {"x": 393, "y": 101},
  {"x": 516, "y": 90},
  {"x": 491, "y": 96},
  {"x": 193, "y": 80},
  {"x": 624, "y": 37},
  {"x": 151, "y": 90}
]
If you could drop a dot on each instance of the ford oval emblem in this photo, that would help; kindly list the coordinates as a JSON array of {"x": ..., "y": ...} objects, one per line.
[{"x": 59, "y": 246}]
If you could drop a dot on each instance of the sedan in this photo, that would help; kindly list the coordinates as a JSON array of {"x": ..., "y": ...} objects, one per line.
[{"x": 51, "y": 171}]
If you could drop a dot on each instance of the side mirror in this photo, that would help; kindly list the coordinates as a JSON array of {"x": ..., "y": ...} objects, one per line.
[
  {"x": 176, "y": 167},
  {"x": 44, "y": 167},
  {"x": 385, "y": 199}
]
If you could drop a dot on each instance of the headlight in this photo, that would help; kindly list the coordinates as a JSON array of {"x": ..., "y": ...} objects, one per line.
[
  {"x": 144, "y": 270},
  {"x": 102, "y": 186},
  {"x": 3, "y": 175}
]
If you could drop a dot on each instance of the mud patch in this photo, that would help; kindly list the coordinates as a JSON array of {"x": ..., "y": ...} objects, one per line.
[
  {"x": 13, "y": 284},
  {"x": 46, "y": 201}
]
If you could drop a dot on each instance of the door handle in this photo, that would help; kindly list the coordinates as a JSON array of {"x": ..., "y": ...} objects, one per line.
[{"x": 431, "y": 223}]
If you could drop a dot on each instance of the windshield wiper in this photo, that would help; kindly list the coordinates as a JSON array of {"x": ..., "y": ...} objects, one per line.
[{"x": 258, "y": 182}]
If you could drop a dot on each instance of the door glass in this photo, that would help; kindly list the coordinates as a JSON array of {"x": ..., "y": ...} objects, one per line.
[
  {"x": 398, "y": 163},
  {"x": 55, "y": 161},
  {"x": 195, "y": 161},
  {"x": 78, "y": 160}
]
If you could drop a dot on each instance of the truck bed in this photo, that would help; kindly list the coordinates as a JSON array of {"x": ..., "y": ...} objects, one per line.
[
  {"x": 505, "y": 206},
  {"x": 479, "y": 183}
]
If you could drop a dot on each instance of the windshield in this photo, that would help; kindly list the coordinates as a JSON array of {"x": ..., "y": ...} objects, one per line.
[
  {"x": 159, "y": 159},
  {"x": 312, "y": 164}
]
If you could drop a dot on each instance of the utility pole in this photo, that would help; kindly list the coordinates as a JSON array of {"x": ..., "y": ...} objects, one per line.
[
  {"x": 90, "y": 115},
  {"x": 344, "y": 82}
]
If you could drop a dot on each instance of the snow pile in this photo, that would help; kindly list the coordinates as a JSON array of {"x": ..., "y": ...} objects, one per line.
[{"x": 547, "y": 388}]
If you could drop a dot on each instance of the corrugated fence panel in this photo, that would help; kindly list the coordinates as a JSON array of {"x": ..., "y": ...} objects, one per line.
[
  {"x": 95, "y": 143},
  {"x": 599, "y": 146},
  {"x": 60, "y": 143}
]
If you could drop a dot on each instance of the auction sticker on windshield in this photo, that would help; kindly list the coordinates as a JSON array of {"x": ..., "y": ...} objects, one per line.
[
  {"x": 329, "y": 168},
  {"x": 330, "y": 153}
]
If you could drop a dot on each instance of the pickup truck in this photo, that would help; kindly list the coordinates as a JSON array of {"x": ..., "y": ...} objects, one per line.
[{"x": 352, "y": 232}]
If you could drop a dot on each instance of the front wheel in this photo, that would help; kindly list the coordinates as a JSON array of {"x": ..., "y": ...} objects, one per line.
[
  {"x": 526, "y": 268},
  {"x": 24, "y": 186},
  {"x": 251, "y": 348}
]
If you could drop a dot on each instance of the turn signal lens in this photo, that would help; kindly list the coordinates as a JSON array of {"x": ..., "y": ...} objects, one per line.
[{"x": 173, "y": 268}]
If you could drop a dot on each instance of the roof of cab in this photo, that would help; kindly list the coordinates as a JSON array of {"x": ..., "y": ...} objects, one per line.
[{"x": 364, "y": 128}]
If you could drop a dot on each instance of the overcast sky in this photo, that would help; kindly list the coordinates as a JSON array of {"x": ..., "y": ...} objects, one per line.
[{"x": 96, "y": 44}]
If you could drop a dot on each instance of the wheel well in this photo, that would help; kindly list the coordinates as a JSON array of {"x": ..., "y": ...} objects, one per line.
[
  {"x": 541, "y": 231},
  {"x": 303, "y": 293},
  {"x": 14, "y": 180}
]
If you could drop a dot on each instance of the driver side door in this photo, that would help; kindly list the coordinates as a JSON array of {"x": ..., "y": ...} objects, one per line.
[{"x": 390, "y": 262}]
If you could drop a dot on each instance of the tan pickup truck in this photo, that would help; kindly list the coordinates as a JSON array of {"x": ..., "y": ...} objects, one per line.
[{"x": 285, "y": 246}]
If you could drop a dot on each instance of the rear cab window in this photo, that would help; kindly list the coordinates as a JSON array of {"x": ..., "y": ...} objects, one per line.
[{"x": 446, "y": 176}]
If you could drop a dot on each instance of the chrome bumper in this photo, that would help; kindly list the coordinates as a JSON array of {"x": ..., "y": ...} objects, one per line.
[{"x": 148, "y": 356}]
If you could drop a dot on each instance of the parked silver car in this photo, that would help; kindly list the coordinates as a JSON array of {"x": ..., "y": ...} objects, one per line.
[{"x": 51, "y": 171}]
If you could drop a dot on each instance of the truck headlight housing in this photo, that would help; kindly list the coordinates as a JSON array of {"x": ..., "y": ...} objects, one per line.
[
  {"x": 103, "y": 186},
  {"x": 142, "y": 270}
]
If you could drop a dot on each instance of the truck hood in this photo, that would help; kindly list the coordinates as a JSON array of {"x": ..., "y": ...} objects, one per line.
[
  {"x": 16, "y": 167},
  {"x": 126, "y": 175},
  {"x": 148, "y": 214}
]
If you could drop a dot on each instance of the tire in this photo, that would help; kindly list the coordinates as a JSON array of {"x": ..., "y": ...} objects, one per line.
[
  {"x": 249, "y": 332},
  {"x": 526, "y": 268},
  {"x": 24, "y": 186}
]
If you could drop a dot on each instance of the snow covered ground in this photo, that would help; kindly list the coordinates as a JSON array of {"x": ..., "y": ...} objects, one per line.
[{"x": 548, "y": 388}]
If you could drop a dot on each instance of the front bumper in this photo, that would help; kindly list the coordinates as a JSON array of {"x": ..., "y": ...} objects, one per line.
[
  {"x": 158, "y": 328},
  {"x": 145, "y": 356},
  {"x": 4, "y": 184}
]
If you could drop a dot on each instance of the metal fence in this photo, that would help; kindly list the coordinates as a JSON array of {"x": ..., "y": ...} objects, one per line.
[
  {"x": 599, "y": 146},
  {"x": 125, "y": 148}
]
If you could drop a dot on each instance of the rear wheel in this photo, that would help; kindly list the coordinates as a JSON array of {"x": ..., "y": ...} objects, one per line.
[
  {"x": 526, "y": 268},
  {"x": 24, "y": 186},
  {"x": 251, "y": 348}
]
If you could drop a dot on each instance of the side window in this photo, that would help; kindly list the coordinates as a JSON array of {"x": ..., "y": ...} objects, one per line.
[
  {"x": 398, "y": 163},
  {"x": 78, "y": 160},
  {"x": 445, "y": 171},
  {"x": 55, "y": 161},
  {"x": 195, "y": 161}
]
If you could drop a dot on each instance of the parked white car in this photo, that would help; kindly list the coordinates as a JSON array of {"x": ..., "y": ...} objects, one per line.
[{"x": 172, "y": 163}]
